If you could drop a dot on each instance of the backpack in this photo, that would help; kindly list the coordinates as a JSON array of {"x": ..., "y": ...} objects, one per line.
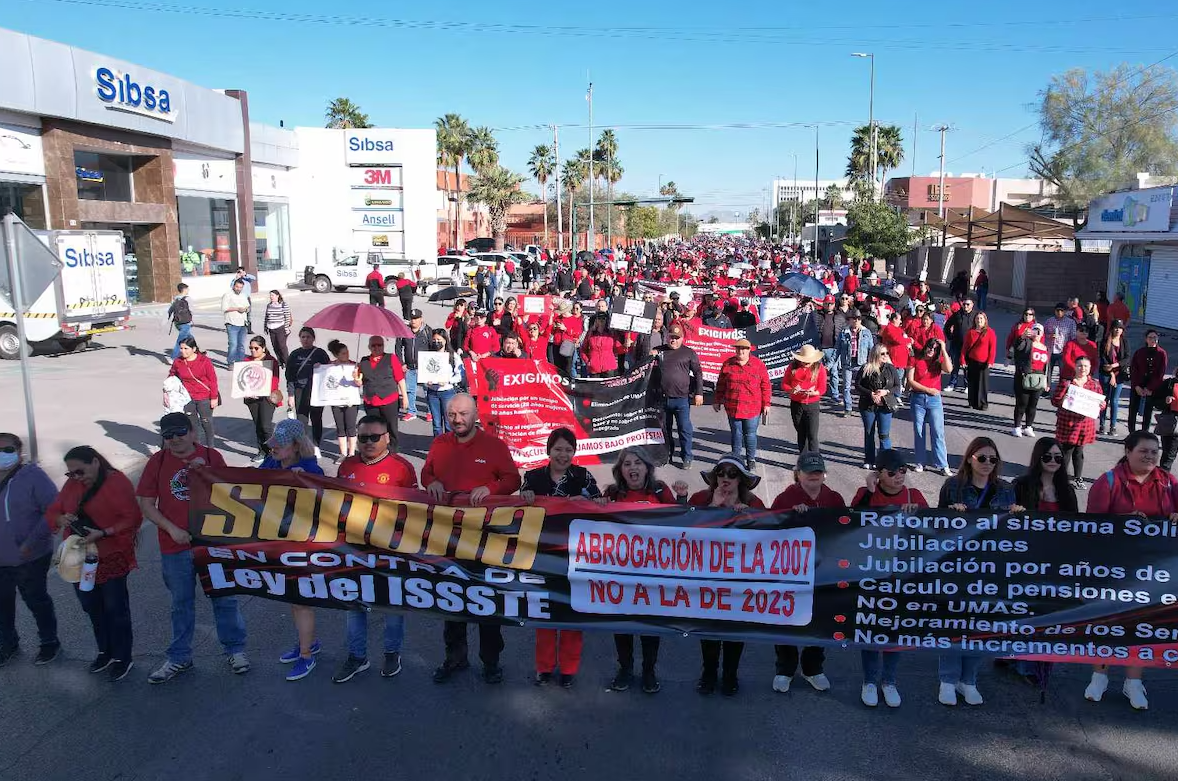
[{"x": 181, "y": 312}]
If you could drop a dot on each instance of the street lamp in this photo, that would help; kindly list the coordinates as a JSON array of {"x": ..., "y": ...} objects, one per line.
[{"x": 870, "y": 116}]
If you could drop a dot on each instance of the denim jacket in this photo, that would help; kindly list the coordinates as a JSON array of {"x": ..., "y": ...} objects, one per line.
[
  {"x": 958, "y": 491},
  {"x": 844, "y": 346}
]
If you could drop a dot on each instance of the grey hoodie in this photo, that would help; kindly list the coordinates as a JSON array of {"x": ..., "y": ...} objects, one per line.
[{"x": 23, "y": 503}]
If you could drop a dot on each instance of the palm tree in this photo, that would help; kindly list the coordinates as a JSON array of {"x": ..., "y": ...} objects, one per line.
[
  {"x": 343, "y": 113},
  {"x": 606, "y": 154},
  {"x": 453, "y": 146},
  {"x": 484, "y": 150},
  {"x": 541, "y": 165},
  {"x": 889, "y": 153},
  {"x": 859, "y": 161},
  {"x": 498, "y": 189},
  {"x": 889, "y": 149},
  {"x": 573, "y": 174}
]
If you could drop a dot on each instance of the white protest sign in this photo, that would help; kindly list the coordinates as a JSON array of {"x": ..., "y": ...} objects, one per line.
[
  {"x": 1083, "y": 401},
  {"x": 434, "y": 367},
  {"x": 334, "y": 385},
  {"x": 251, "y": 379}
]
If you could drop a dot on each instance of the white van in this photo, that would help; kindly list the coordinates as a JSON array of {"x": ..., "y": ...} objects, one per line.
[{"x": 349, "y": 270}]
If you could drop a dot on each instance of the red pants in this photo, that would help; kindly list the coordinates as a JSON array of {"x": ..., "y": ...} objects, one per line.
[{"x": 566, "y": 645}]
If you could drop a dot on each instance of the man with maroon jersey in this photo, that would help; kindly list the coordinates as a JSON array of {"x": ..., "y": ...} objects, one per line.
[
  {"x": 374, "y": 466},
  {"x": 467, "y": 460}
]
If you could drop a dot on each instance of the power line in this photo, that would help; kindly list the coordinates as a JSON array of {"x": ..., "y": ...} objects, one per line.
[{"x": 692, "y": 126}]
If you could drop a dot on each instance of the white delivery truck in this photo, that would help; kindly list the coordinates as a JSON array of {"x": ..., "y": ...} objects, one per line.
[
  {"x": 89, "y": 296},
  {"x": 350, "y": 269}
]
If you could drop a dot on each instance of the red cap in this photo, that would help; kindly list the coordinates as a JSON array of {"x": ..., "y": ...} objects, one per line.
[{"x": 828, "y": 300}]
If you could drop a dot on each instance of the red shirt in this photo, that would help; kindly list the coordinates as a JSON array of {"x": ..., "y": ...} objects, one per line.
[
  {"x": 744, "y": 391},
  {"x": 803, "y": 384},
  {"x": 535, "y": 348},
  {"x": 370, "y": 371},
  {"x": 1117, "y": 491},
  {"x": 198, "y": 377},
  {"x": 1073, "y": 351},
  {"x": 374, "y": 276},
  {"x": 1016, "y": 332},
  {"x": 1039, "y": 358},
  {"x": 661, "y": 495},
  {"x": 1117, "y": 311},
  {"x": 482, "y": 340},
  {"x": 794, "y": 495},
  {"x": 574, "y": 326},
  {"x": 878, "y": 498},
  {"x": 897, "y": 342},
  {"x": 165, "y": 479},
  {"x": 463, "y": 466},
  {"x": 114, "y": 510},
  {"x": 981, "y": 346},
  {"x": 704, "y": 499},
  {"x": 390, "y": 471},
  {"x": 927, "y": 372}
]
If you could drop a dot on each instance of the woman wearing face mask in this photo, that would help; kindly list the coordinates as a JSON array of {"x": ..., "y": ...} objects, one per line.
[
  {"x": 809, "y": 490},
  {"x": 198, "y": 376},
  {"x": 300, "y": 376},
  {"x": 438, "y": 394},
  {"x": 344, "y": 415},
  {"x": 98, "y": 503},
  {"x": 1073, "y": 430},
  {"x": 885, "y": 488},
  {"x": 559, "y": 477},
  {"x": 635, "y": 481},
  {"x": 976, "y": 487},
  {"x": 730, "y": 485},
  {"x": 262, "y": 407},
  {"x": 1136, "y": 487}
]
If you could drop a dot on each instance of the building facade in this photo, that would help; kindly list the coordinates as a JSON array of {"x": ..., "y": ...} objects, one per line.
[
  {"x": 803, "y": 190},
  {"x": 965, "y": 191}
]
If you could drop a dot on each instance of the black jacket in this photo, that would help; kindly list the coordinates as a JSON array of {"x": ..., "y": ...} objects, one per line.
[
  {"x": 407, "y": 349},
  {"x": 888, "y": 378},
  {"x": 956, "y": 326},
  {"x": 1026, "y": 494}
]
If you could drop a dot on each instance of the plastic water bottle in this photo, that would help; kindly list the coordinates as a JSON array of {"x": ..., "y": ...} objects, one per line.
[{"x": 89, "y": 572}]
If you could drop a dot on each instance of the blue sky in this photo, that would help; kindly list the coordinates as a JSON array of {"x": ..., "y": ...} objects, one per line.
[{"x": 521, "y": 64}]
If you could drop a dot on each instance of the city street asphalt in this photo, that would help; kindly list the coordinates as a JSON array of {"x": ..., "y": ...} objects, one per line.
[{"x": 61, "y": 723}]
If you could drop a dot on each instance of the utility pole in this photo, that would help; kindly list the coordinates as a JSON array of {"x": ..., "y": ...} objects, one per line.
[
  {"x": 871, "y": 121},
  {"x": 817, "y": 203},
  {"x": 559, "y": 215},
  {"x": 794, "y": 203},
  {"x": 915, "y": 130},
  {"x": 942, "y": 128},
  {"x": 590, "y": 243}
]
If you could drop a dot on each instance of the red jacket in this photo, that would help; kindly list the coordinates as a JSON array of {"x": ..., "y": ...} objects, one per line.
[
  {"x": 464, "y": 466},
  {"x": 794, "y": 495},
  {"x": 1016, "y": 333},
  {"x": 198, "y": 377},
  {"x": 115, "y": 510},
  {"x": 898, "y": 343},
  {"x": 743, "y": 391},
  {"x": 600, "y": 352},
  {"x": 1148, "y": 367},
  {"x": 803, "y": 385},
  {"x": 1072, "y": 352},
  {"x": 1117, "y": 311},
  {"x": 1118, "y": 492},
  {"x": 981, "y": 347}
]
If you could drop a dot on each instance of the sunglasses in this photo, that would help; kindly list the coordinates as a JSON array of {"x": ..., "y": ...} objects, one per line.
[
  {"x": 365, "y": 438},
  {"x": 174, "y": 433},
  {"x": 75, "y": 474},
  {"x": 985, "y": 459},
  {"x": 893, "y": 472},
  {"x": 1028, "y": 314},
  {"x": 498, "y": 303},
  {"x": 8, "y": 449},
  {"x": 728, "y": 474},
  {"x": 1048, "y": 458},
  {"x": 673, "y": 337}
]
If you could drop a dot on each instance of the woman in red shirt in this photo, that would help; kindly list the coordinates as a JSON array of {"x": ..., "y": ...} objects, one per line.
[
  {"x": 804, "y": 382},
  {"x": 567, "y": 328},
  {"x": 1031, "y": 359},
  {"x": 599, "y": 350},
  {"x": 1072, "y": 429},
  {"x": 262, "y": 407},
  {"x": 809, "y": 490},
  {"x": 98, "y": 502},
  {"x": 899, "y": 344},
  {"x": 980, "y": 350},
  {"x": 635, "y": 481},
  {"x": 730, "y": 484},
  {"x": 199, "y": 377},
  {"x": 1136, "y": 486}
]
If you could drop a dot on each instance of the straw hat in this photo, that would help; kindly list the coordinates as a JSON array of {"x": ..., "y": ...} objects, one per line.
[{"x": 808, "y": 354}]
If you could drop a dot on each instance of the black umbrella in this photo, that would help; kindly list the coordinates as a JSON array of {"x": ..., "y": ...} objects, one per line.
[
  {"x": 804, "y": 285},
  {"x": 450, "y": 292},
  {"x": 883, "y": 292},
  {"x": 586, "y": 256}
]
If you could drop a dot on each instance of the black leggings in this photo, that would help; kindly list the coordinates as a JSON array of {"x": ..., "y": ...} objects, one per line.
[
  {"x": 625, "y": 647},
  {"x": 805, "y": 420},
  {"x": 200, "y": 414},
  {"x": 977, "y": 375},
  {"x": 1169, "y": 450},
  {"x": 813, "y": 659},
  {"x": 262, "y": 412},
  {"x": 345, "y": 421},
  {"x": 278, "y": 344},
  {"x": 711, "y": 652},
  {"x": 1026, "y": 402},
  {"x": 391, "y": 414},
  {"x": 1076, "y": 454}
]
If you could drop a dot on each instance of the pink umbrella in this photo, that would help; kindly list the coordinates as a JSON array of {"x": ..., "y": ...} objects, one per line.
[{"x": 360, "y": 319}]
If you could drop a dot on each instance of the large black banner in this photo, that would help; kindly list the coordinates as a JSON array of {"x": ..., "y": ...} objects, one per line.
[
  {"x": 774, "y": 342},
  {"x": 1076, "y": 588}
]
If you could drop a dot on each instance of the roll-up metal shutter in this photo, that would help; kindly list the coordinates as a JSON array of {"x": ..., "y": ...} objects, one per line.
[{"x": 1162, "y": 293}]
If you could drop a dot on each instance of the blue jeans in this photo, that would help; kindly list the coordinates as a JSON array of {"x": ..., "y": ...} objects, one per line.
[
  {"x": 180, "y": 577},
  {"x": 183, "y": 331},
  {"x": 875, "y": 420},
  {"x": 678, "y": 413},
  {"x": 394, "y": 632},
  {"x": 744, "y": 435},
  {"x": 830, "y": 359},
  {"x": 236, "y": 349},
  {"x": 982, "y": 292},
  {"x": 959, "y": 668},
  {"x": 1113, "y": 394},
  {"x": 929, "y": 409},
  {"x": 848, "y": 384},
  {"x": 879, "y": 666},
  {"x": 955, "y": 356},
  {"x": 411, "y": 389},
  {"x": 436, "y": 401}
]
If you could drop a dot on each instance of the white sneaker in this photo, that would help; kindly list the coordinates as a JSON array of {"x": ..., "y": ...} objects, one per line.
[
  {"x": 318, "y": 454},
  {"x": 946, "y": 471},
  {"x": 947, "y": 694},
  {"x": 918, "y": 468},
  {"x": 868, "y": 467},
  {"x": 1016, "y": 432},
  {"x": 781, "y": 683},
  {"x": 869, "y": 695},
  {"x": 1028, "y": 432},
  {"x": 970, "y": 693},
  {"x": 1096, "y": 687},
  {"x": 820, "y": 682},
  {"x": 1134, "y": 689},
  {"x": 891, "y": 695}
]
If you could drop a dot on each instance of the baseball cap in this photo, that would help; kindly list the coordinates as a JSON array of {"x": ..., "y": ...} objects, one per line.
[
  {"x": 854, "y": 314},
  {"x": 288, "y": 431},
  {"x": 480, "y": 312},
  {"x": 828, "y": 300},
  {"x": 175, "y": 421},
  {"x": 811, "y": 462},
  {"x": 415, "y": 314},
  {"x": 889, "y": 460}
]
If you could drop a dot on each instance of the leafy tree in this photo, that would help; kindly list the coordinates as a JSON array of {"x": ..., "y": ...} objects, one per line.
[
  {"x": 889, "y": 152},
  {"x": 1099, "y": 129},
  {"x": 832, "y": 198},
  {"x": 642, "y": 222},
  {"x": 454, "y": 144},
  {"x": 484, "y": 150},
  {"x": 876, "y": 230},
  {"x": 542, "y": 165},
  {"x": 343, "y": 113},
  {"x": 498, "y": 189}
]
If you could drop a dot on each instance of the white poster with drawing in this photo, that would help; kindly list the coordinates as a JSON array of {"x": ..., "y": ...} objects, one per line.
[
  {"x": 1083, "y": 401},
  {"x": 251, "y": 379},
  {"x": 434, "y": 367},
  {"x": 333, "y": 385}
]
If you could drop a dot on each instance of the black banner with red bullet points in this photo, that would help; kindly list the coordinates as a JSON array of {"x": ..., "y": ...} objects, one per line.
[{"x": 1075, "y": 588}]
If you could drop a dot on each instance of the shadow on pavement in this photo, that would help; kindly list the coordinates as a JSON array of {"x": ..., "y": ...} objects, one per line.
[{"x": 137, "y": 438}]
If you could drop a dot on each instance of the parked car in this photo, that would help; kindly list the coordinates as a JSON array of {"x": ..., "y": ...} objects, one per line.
[
  {"x": 350, "y": 270},
  {"x": 481, "y": 245}
]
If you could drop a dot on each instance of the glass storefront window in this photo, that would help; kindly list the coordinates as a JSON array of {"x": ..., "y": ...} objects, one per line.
[
  {"x": 103, "y": 177},
  {"x": 271, "y": 234},
  {"x": 25, "y": 201},
  {"x": 206, "y": 236}
]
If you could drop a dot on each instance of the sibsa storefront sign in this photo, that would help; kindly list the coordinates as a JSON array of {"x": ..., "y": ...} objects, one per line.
[
  {"x": 370, "y": 147},
  {"x": 121, "y": 92},
  {"x": 1054, "y": 587}
]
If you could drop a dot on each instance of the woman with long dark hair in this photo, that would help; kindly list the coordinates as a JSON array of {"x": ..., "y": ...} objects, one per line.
[
  {"x": 344, "y": 415},
  {"x": 1046, "y": 487},
  {"x": 1073, "y": 430},
  {"x": 1031, "y": 360},
  {"x": 98, "y": 503},
  {"x": 980, "y": 350},
  {"x": 300, "y": 377},
  {"x": 262, "y": 407},
  {"x": 197, "y": 374},
  {"x": 1115, "y": 354}
]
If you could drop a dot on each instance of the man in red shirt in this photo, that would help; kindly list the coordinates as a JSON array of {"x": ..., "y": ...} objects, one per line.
[
  {"x": 742, "y": 389},
  {"x": 468, "y": 460},
  {"x": 374, "y": 467},
  {"x": 1117, "y": 310},
  {"x": 163, "y": 498},
  {"x": 481, "y": 340}
]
